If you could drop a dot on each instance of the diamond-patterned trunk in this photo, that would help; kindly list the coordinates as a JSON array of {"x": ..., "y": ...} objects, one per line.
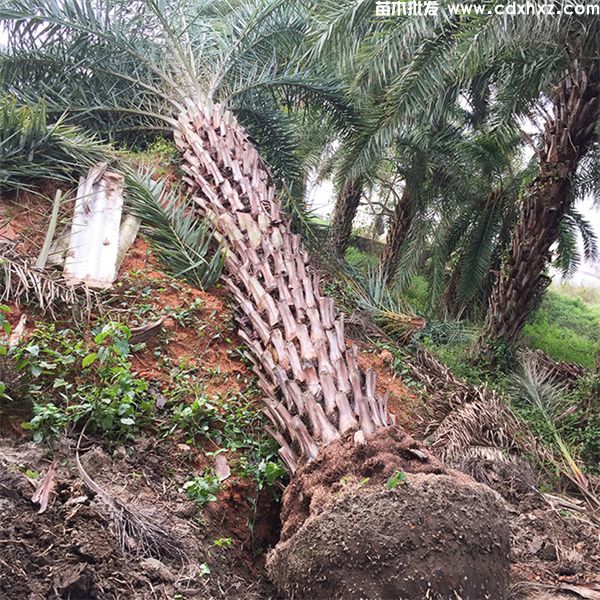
[
  {"x": 567, "y": 137},
  {"x": 344, "y": 212},
  {"x": 314, "y": 387}
]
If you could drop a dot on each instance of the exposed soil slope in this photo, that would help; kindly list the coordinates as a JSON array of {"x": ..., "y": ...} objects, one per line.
[{"x": 70, "y": 550}]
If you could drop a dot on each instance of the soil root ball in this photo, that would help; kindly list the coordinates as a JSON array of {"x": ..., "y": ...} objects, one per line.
[{"x": 433, "y": 536}]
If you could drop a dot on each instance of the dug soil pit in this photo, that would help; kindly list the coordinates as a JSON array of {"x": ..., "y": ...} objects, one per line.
[{"x": 71, "y": 550}]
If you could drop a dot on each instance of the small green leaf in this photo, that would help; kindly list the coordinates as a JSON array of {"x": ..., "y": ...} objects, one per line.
[
  {"x": 395, "y": 480},
  {"x": 89, "y": 359}
]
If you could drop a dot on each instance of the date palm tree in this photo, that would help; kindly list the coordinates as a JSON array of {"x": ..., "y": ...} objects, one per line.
[
  {"x": 188, "y": 66},
  {"x": 544, "y": 69},
  {"x": 204, "y": 69}
]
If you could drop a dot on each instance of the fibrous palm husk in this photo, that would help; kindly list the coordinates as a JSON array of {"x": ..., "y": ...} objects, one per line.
[{"x": 136, "y": 531}]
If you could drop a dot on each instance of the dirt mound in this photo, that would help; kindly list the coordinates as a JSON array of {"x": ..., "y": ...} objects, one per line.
[
  {"x": 71, "y": 551},
  {"x": 434, "y": 536},
  {"x": 346, "y": 464},
  {"x": 553, "y": 539}
]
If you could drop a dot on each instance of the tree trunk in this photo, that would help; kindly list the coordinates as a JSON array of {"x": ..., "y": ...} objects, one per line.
[
  {"x": 397, "y": 230},
  {"x": 315, "y": 390},
  {"x": 327, "y": 416},
  {"x": 567, "y": 137},
  {"x": 346, "y": 205},
  {"x": 451, "y": 299}
]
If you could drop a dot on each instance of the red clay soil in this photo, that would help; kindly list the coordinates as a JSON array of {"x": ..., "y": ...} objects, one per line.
[
  {"x": 212, "y": 349},
  {"x": 25, "y": 216},
  {"x": 407, "y": 406},
  {"x": 206, "y": 345}
]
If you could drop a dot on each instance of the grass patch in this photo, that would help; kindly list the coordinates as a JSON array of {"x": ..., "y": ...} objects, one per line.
[
  {"x": 361, "y": 260},
  {"x": 566, "y": 327}
]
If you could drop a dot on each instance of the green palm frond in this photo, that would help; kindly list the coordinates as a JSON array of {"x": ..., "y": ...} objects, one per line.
[
  {"x": 588, "y": 234},
  {"x": 32, "y": 149},
  {"x": 182, "y": 241},
  {"x": 124, "y": 70},
  {"x": 568, "y": 257}
]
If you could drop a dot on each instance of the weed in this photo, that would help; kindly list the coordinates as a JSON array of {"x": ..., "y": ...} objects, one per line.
[
  {"x": 195, "y": 419},
  {"x": 72, "y": 384},
  {"x": 185, "y": 315},
  {"x": 48, "y": 421},
  {"x": 224, "y": 542},
  {"x": 399, "y": 477},
  {"x": 163, "y": 148},
  {"x": 361, "y": 260},
  {"x": 203, "y": 489}
]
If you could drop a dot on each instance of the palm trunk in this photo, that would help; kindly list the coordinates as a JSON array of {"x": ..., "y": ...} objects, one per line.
[
  {"x": 451, "y": 299},
  {"x": 327, "y": 416},
  {"x": 346, "y": 205},
  {"x": 567, "y": 137},
  {"x": 315, "y": 390},
  {"x": 400, "y": 223}
]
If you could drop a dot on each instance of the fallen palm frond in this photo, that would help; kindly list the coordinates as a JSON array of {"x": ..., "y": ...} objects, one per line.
[
  {"x": 524, "y": 590},
  {"x": 445, "y": 391},
  {"x": 538, "y": 386},
  {"x": 563, "y": 373},
  {"x": 485, "y": 423},
  {"x": 183, "y": 242},
  {"x": 135, "y": 530},
  {"x": 22, "y": 281},
  {"x": 470, "y": 425},
  {"x": 510, "y": 475}
]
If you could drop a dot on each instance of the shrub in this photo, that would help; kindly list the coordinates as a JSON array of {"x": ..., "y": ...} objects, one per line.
[{"x": 76, "y": 383}]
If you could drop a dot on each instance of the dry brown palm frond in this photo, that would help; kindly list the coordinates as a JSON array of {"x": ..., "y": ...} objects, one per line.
[
  {"x": 486, "y": 422},
  {"x": 563, "y": 373},
  {"x": 445, "y": 391},
  {"x": 21, "y": 280},
  {"x": 136, "y": 531},
  {"x": 524, "y": 590}
]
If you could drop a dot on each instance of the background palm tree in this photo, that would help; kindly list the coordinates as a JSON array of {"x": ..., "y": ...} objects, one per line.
[{"x": 543, "y": 69}]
